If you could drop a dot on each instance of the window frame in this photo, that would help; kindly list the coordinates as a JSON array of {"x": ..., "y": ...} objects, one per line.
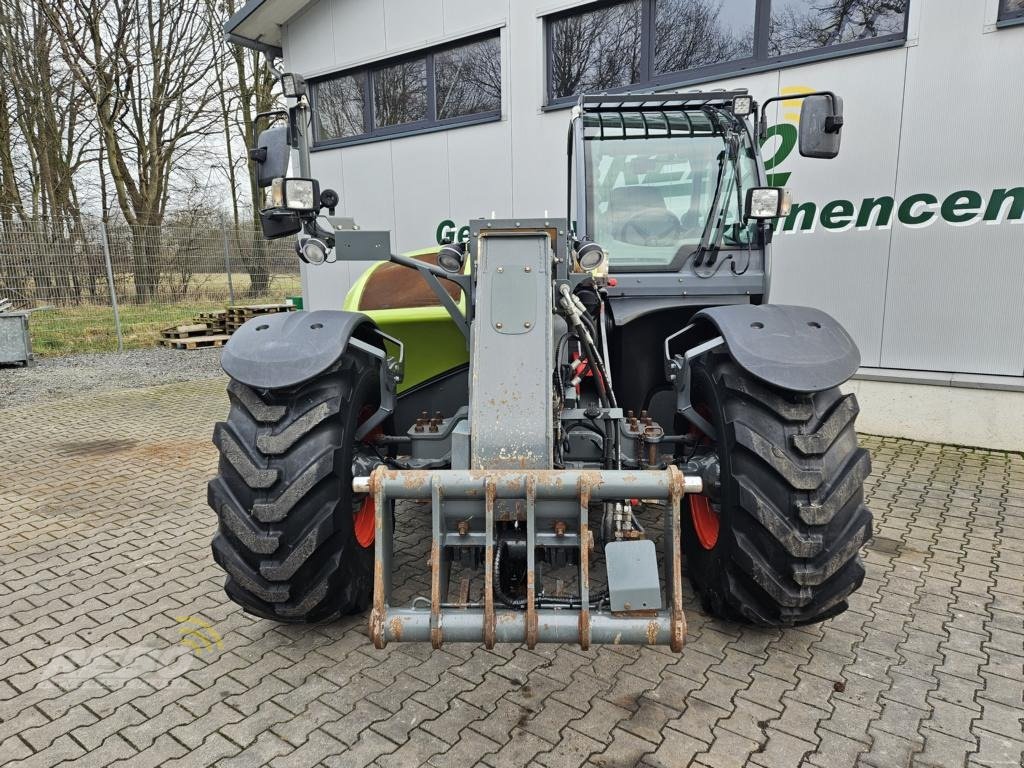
[
  {"x": 428, "y": 124},
  {"x": 759, "y": 61},
  {"x": 1008, "y": 18}
]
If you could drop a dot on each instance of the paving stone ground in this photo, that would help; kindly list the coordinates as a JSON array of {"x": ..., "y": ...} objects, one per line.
[{"x": 105, "y": 563}]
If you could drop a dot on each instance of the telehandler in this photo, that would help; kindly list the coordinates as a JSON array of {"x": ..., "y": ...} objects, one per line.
[{"x": 564, "y": 392}]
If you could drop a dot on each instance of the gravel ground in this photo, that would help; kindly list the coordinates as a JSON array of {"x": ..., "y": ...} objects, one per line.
[{"x": 54, "y": 378}]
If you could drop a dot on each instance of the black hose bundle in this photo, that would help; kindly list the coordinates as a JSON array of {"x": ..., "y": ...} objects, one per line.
[{"x": 540, "y": 600}]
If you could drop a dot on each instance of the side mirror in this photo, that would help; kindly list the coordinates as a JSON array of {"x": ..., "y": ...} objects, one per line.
[
  {"x": 271, "y": 155},
  {"x": 277, "y": 224},
  {"x": 821, "y": 125}
]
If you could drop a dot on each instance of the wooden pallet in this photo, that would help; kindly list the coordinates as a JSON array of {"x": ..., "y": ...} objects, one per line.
[
  {"x": 238, "y": 315},
  {"x": 211, "y": 317},
  {"x": 197, "y": 342},
  {"x": 186, "y": 331}
]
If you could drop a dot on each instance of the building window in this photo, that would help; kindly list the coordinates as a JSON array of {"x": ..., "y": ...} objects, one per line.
[
  {"x": 690, "y": 34},
  {"x": 596, "y": 50},
  {"x": 609, "y": 46},
  {"x": 467, "y": 79},
  {"x": 1011, "y": 11},
  {"x": 442, "y": 87},
  {"x": 797, "y": 26}
]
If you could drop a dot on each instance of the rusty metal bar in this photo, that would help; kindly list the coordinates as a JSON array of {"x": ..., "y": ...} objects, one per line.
[
  {"x": 604, "y": 484},
  {"x": 490, "y": 493},
  {"x": 531, "y": 562},
  {"x": 437, "y": 562},
  {"x": 674, "y": 562},
  {"x": 465, "y": 625},
  {"x": 382, "y": 546},
  {"x": 584, "y": 620}
]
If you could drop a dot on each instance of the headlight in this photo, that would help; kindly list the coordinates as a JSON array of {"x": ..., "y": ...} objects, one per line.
[
  {"x": 296, "y": 194},
  {"x": 767, "y": 202},
  {"x": 742, "y": 106}
]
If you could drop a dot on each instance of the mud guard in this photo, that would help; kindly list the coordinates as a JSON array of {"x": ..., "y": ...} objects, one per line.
[
  {"x": 284, "y": 350},
  {"x": 801, "y": 349}
]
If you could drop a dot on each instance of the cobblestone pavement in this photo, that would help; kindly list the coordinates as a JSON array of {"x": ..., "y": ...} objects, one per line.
[{"x": 104, "y": 535}]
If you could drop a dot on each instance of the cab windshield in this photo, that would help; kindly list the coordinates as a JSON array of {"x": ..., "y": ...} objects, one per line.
[{"x": 650, "y": 186}]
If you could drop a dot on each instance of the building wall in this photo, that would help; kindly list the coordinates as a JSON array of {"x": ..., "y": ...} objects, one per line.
[{"x": 936, "y": 116}]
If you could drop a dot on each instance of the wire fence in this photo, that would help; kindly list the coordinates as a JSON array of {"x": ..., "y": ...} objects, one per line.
[{"x": 106, "y": 286}]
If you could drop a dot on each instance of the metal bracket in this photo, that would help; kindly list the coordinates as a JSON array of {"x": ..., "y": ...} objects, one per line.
[
  {"x": 391, "y": 372},
  {"x": 430, "y": 273},
  {"x": 678, "y": 372}
]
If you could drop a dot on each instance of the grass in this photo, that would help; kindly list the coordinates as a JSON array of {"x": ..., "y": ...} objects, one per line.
[{"x": 90, "y": 327}]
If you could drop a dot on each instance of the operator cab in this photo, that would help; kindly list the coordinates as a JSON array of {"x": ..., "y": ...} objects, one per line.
[{"x": 650, "y": 183}]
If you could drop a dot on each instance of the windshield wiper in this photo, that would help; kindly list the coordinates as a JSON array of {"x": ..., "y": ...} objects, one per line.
[{"x": 714, "y": 227}]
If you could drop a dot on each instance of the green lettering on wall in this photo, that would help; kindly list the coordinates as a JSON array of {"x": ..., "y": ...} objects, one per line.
[
  {"x": 837, "y": 214},
  {"x": 445, "y": 230},
  {"x": 787, "y": 141},
  {"x": 884, "y": 206},
  {"x": 998, "y": 200},
  {"x": 961, "y": 207},
  {"x": 908, "y": 216},
  {"x": 807, "y": 222}
]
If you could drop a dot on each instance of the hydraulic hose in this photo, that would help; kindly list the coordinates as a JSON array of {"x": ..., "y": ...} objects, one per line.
[{"x": 540, "y": 600}]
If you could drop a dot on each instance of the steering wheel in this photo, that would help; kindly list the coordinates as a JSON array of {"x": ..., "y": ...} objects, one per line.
[{"x": 651, "y": 228}]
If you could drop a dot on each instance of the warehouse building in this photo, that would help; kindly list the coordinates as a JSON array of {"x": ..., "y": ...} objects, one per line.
[{"x": 430, "y": 112}]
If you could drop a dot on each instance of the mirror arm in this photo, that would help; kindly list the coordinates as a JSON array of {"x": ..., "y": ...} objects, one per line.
[{"x": 832, "y": 124}]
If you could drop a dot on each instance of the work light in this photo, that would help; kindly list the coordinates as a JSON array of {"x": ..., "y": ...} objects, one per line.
[
  {"x": 296, "y": 194},
  {"x": 767, "y": 202},
  {"x": 313, "y": 250},
  {"x": 293, "y": 85},
  {"x": 591, "y": 257},
  {"x": 450, "y": 258},
  {"x": 742, "y": 105}
]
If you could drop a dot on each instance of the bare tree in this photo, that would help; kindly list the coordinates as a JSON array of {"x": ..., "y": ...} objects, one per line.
[
  {"x": 48, "y": 126},
  {"x": 247, "y": 86},
  {"x": 145, "y": 66}
]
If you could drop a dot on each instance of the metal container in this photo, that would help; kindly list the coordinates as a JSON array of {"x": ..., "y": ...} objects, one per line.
[{"x": 15, "y": 344}]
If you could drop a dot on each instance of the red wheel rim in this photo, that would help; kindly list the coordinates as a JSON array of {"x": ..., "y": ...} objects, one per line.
[
  {"x": 705, "y": 521},
  {"x": 705, "y": 518},
  {"x": 365, "y": 522}
]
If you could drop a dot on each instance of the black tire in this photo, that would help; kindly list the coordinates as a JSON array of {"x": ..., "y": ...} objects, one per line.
[
  {"x": 283, "y": 496},
  {"x": 791, "y": 510}
]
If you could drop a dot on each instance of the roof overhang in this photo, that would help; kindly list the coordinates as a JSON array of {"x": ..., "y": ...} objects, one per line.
[{"x": 258, "y": 24}]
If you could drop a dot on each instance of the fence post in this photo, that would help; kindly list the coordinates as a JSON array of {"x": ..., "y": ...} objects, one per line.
[
  {"x": 227, "y": 258},
  {"x": 110, "y": 285}
]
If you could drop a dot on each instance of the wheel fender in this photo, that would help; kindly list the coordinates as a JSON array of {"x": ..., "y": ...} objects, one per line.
[
  {"x": 801, "y": 349},
  {"x": 286, "y": 349}
]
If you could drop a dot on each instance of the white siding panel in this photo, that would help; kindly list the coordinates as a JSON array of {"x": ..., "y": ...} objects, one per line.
[
  {"x": 421, "y": 189},
  {"x": 410, "y": 22},
  {"x": 954, "y": 293},
  {"x": 463, "y": 15},
  {"x": 310, "y": 38},
  {"x": 480, "y": 172},
  {"x": 843, "y": 273},
  {"x": 538, "y": 138},
  {"x": 358, "y": 30}
]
